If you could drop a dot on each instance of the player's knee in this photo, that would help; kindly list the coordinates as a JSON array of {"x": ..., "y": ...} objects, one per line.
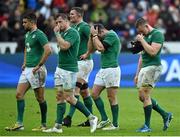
[
  {"x": 58, "y": 96},
  {"x": 68, "y": 99},
  {"x": 19, "y": 96},
  {"x": 40, "y": 99},
  {"x": 111, "y": 98},
  {"x": 85, "y": 94},
  {"x": 141, "y": 98},
  {"x": 94, "y": 95}
]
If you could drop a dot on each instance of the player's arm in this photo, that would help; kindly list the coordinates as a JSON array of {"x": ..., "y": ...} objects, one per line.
[
  {"x": 95, "y": 39},
  {"x": 138, "y": 69},
  {"x": 64, "y": 45},
  {"x": 47, "y": 52},
  {"x": 98, "y": 44},
  {"x": 90, "y": 49},
  {"x": 150, "y": 49},
  {"x": 24, "y": 62}
]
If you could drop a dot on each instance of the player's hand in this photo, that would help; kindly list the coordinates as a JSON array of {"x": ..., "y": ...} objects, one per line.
[
  {"x": 135, "y": 80},
  {"x": 56, "y": 29},
  {"x": 35, "y": 69},
  {"x": 23, "y": 67},
  {"x": 140, "y": 37},
  {"x": 84, "y": 56},
  {"x": 94, "y": 31}
]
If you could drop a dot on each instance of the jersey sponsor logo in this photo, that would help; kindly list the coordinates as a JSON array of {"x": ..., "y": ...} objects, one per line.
[
  {"x": 28, "y": 48},
  {"x": 149, "y": 37},
  {"x": 33, "y": 36},
  {"x": 78, "y": 29},
  {"x": 65, "y": 34}
]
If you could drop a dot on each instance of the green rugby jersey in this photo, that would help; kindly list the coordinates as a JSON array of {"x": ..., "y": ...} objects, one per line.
[
  {"x": 157, "y": 37},
  {"x": 109, "y": 58},
  {"x": 68, "y": 58},
  {"x": 84, "y": 31},
  {"x": 34, "y": 42}
]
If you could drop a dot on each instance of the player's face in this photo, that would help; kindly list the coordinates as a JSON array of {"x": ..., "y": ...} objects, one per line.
[
  {"x": 27, "y": 24},
  {"x": 61, "y": 23},
  {"x": 101, "y": 34},
  {"x": 142, "y": 29},
  {"x": 74, "y": 16}
]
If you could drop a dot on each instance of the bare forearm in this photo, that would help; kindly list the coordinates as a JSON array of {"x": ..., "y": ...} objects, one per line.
[
  {"x": 24, "y": 63},
  {"x": 97, "y": 44},
  {"x": 61, "y": 42},
  {"x": 139, "y": 65},
  {"x": 47, "y": 52},
  {"x": 148, "y": 48}
]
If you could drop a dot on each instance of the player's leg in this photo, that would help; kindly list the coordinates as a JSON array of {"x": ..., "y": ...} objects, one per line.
[
  {"x": 112, "y": 82},
  {"x": 112, "y": 96},
  {"x": 99, "y": 86},
  {"x": 144, "y": 96},
  {"x": 61, "y": 105},
  {"x": 67, "y": 121},
  {"x": 23, "y": 86},
  {"x": 166, "y": 116},
  {"x": 71, "y": 78},
  {"x": 87, "y": 99},
  {"x": 39, "y": 93},
  {"x": 145, "y": 86},
  {"x": 69, "y": 96},
  {"x": 60, "y": 110},
  {"x": 86, "y": 69},
  {"x": 37, "y": 82}
]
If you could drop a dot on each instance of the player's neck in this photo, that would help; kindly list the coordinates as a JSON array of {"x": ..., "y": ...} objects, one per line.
[
  {"x": 79, "y": 21},
  {"x": 33, "y": 28}
]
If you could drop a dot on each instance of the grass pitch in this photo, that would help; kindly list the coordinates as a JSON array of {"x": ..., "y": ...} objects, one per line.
[{"x": 131, "y": 114}]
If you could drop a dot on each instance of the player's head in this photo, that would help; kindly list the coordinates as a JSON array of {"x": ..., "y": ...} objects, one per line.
[
  {"x": 29, "y": 20},
  {"x": 76, "y": 14},
  {"x": 142, "y": 26},
  {"x": 62, "y": 21},
  {"x": 101, "y": 29}
]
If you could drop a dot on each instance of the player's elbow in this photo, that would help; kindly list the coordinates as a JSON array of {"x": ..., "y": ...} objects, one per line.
[
  {"x": 100, "y": 49},
  {"x": 153, "y": 53}
]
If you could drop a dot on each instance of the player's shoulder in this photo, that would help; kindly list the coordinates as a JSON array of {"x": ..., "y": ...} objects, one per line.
[
  {"x": 156, "y": 31},
  {"x": 38, "y": 31},
  {"x": 85, "y": 24}
]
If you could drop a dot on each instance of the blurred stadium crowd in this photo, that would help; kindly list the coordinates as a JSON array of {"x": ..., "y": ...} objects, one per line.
[{"x": 119, "y": 15}]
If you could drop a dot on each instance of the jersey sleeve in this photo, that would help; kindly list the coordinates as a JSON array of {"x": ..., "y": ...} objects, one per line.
[
  {"x": 158, "y": 38},
  {"x": 109, "y": 39},
  {"x": 42, "y": 38},
  {"x": 71, "y": 37}
]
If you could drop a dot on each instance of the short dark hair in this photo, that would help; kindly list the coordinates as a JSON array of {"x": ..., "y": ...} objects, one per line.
[
  {"x": 100, "y": 26},
  {"x": 62, "y": 15},
  {"x": 79, "y": 10},
  {"x": 140, "y": 22},
  {"x": 31, "y": 16}
]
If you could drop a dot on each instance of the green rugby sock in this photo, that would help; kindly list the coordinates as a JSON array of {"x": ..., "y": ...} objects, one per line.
[
  {"x": 157, "y": 108},
  {"x": 72, "y": 108},
  {"x": 81, "y": 107},
  {"x": 147, "y": 112},
  {"x": 20, "y": 110},
  {"x": 88, "y": 103},
  {"x": 115, "y": 111},
  {"x": 100, "y": 106},
  {"x": 43, "y": 108},
  {"x": 61, "y": 108}
]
